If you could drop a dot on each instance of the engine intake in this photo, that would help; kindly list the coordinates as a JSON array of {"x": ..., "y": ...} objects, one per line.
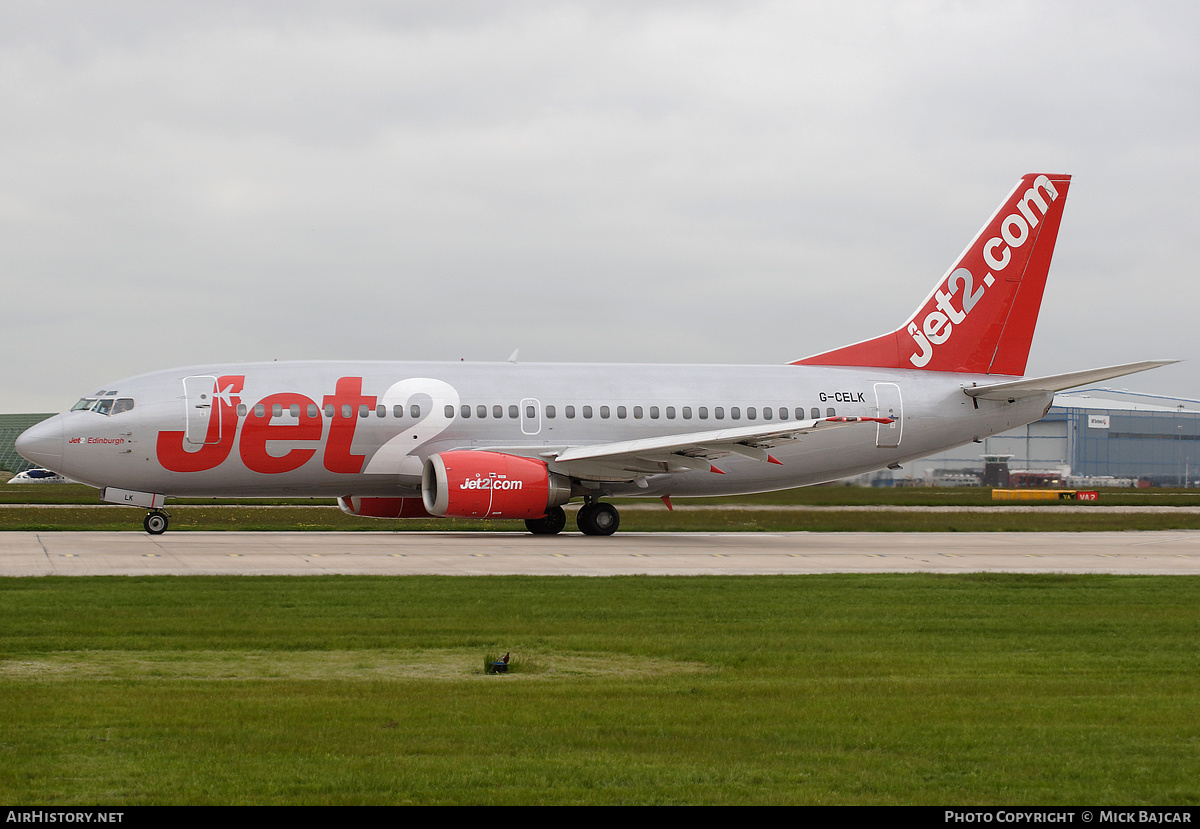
[{"x": 466, "y": 484}]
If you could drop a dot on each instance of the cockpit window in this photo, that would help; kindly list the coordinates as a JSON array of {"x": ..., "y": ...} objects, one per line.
[{"x": 105, "y": 406}]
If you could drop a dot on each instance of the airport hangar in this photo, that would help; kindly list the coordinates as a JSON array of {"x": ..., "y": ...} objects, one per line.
[{"x": 1090, "y": 433}]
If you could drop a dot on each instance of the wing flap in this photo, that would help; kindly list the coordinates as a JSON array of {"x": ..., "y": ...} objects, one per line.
[{"x": 629, "y": 459}]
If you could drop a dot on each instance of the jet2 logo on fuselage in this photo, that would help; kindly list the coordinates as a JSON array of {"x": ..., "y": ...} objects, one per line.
[{"x": 1015, "y": 231}]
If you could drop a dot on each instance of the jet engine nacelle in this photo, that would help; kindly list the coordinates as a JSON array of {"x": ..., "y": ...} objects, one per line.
[
  {"x": 383, "y": 507},
  {"x": 466, "y": 484}
]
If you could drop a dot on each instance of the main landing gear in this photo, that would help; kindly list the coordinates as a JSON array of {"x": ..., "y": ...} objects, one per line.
[
  {"x": 594, "y": 518},
  {"x": 598, "y": 518},
  {"x": 551, "y": 523},
  {"x": 156, "y": 522}
]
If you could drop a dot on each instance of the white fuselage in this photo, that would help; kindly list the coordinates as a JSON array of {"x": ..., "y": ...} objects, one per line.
[{"x": 343, "y": 428}]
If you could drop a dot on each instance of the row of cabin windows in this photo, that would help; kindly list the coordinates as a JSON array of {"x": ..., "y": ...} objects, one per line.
[
  {"x": 513, "y": 411},
  {"x": 701, "y": 412},
  {"x": 330, "y": 410}
]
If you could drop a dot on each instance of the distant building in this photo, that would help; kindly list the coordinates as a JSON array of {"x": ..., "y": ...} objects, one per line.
[
  {"x": 12, "y": 425},
  {"x": 1089, "y": 437}
]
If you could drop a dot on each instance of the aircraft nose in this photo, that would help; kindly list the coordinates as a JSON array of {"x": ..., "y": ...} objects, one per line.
[{"x": 42, "y": 443}]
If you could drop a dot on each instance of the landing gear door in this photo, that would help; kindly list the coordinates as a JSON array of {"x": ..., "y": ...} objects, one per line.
[
  {"x": 202, "y": 425},
  {"x": 887, "y": 399}
]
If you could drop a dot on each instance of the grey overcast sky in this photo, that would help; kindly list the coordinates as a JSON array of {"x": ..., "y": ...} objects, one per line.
[{"x": 604, "y": 181}]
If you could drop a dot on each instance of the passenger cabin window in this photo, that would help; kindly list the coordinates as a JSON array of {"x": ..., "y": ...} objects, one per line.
[
  {"x": 465, "y": 410},
  {"x": 550, "y": 412},
  {"x": 481, "y": 410},
  {"x": 570, "y": 411},
  {"x": 513, "y": 411},
  {"x": 313, "y": 411},
  {"x": 621, "y": 412},
  {"x": 498, "y": 411},
  {"x": 767, "y": 413},
  {"x": 735, "y": 413},
  {"x": 397, "y": 411},
  {"x": 294, "y": 410},
  {"x": 604, "y": 412},
  {"x": 241, "y": 410},
  {"x": 783, "y": 413},
  {"x": 816, "y": 413},
  {"x": 751, "y": 413},
  {"x": 415, "y": 411},
  {"x": 587, "y": 411},
  {"x": 380, "y": 410},
  {"x": 830, "y": 413},
  {"x": 654, "y": 412},
  {"x": 687, "y": 412},
  {"x": 670, "y": 412},
  {"x": 277, "y": 410},
  {"x": 449, "y": 411},
  {"x": 637, "y": 412},
  {"x": 719, "y": 413},
  {"x": 703, "y": 411},
  {"x": 260, "y": 410}
]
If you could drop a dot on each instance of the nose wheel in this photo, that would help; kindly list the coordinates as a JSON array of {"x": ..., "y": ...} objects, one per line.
[
  {"x": 598, "y": 518},
  {"x": 156, "y": 522}
]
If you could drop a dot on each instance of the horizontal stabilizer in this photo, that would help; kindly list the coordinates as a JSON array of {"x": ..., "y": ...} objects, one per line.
[{"x": 1033, "y": 386}]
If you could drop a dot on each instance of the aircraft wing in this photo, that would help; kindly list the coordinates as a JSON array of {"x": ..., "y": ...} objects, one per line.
[
  {"x": 1033, "y": 386},
  {"x": 631, "y": 459}
]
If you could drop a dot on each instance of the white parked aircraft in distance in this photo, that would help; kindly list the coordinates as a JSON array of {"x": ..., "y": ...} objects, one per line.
[
  {"x": 39, "y": 476},
  {"x": 508, "y": 440}
]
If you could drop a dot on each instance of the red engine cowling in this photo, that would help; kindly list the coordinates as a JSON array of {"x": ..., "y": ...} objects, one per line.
[
  {"x": 467, "y": 484},
  {"x": 383, "y": 507}
]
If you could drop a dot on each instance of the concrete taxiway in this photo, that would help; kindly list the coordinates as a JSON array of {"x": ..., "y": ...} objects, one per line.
[{"x": 409, "y": 553}]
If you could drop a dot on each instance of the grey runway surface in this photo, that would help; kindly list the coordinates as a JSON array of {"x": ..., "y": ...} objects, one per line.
[{"x": 485, "y": 553}]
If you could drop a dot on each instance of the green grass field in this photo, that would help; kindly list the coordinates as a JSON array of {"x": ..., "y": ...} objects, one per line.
[
  {"x": 51, "y": 507},
  {"x": 716, "y": 519},
  {"x": 888, "y": 689},
  {"x": 828, "y": 495}
]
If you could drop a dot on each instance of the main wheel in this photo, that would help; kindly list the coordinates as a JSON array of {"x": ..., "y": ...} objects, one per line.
[
  {"x": 598, "y": 519},
  {"x": 551, "y": 523},
  {"x": 155, "y": 523}
]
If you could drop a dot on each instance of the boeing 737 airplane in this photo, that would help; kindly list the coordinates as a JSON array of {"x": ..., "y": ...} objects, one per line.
[{"x": 510, "y": 440}]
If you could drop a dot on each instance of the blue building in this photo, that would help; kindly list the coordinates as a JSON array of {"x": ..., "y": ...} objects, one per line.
[{"x": 1090, "y": 433}]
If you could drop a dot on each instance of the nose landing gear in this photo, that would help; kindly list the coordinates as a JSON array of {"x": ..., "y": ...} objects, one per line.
[{"x": 156, "y": 522}]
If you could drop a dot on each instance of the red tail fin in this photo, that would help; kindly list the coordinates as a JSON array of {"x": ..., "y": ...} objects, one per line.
[{"x": 980, "y": 317}]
